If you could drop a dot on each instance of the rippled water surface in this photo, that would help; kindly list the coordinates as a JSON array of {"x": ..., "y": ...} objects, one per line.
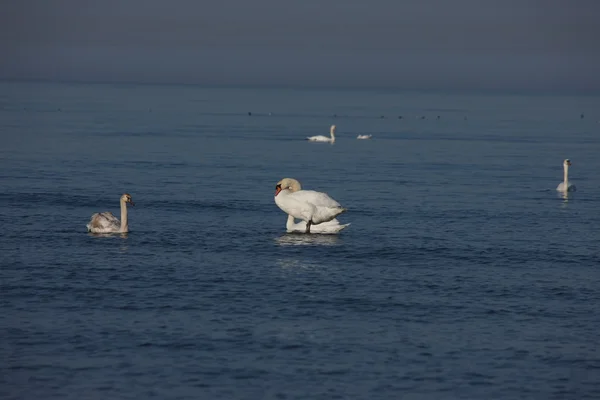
[{"x": 463, "y": 274}]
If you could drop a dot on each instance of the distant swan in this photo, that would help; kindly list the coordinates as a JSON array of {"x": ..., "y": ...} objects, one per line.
[
  {"x": 364, "y": 136},
  {"x": 565, "y": 186},
  {"x": 310, "y": 206},
  {"x": 107, "y": 223},
  {"x": 321, "y": 138}
]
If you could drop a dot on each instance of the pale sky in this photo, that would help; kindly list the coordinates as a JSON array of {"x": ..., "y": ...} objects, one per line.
[{"x": 539, "y": 45}]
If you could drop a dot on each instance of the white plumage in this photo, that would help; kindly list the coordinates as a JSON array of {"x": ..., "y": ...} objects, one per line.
[
  {"x": 565, "y": 186},
  {"x": 106, "y": 222},
  {"x": 308, "y": 205},
  {"x": 321, "y": 138},
  {"x": 327, "y": 228}
]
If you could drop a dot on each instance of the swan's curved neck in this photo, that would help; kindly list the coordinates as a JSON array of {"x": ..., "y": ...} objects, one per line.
[
  {"x": 124, "y": 222},
  {"x": 332, "y": 133},
  {"x": 566, "y": 181}
]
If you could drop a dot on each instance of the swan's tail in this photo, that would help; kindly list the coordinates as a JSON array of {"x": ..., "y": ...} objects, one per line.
[
  {"x": 89, "y": 224},
  {"x": 344, "y": 226},
  {"x": 338, "y": 210}
]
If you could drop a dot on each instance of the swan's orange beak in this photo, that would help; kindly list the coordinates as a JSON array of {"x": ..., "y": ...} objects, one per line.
[{"x": 277, "y": 189}]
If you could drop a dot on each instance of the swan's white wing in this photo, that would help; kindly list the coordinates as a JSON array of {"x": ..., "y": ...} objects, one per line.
[
  {"x": 319, "y": 138},
  {"x": 319, "y": 199},
  {"x": 103, "y": 223},
  {"x": 562, "y": 188},
  {"x": 324, "y": 207},
  {"x": 294, "y": 207},
  {"x": 309, "y": 205},
  {"x": 329, "y": 227},
  {"x": 333, "y": 222}
]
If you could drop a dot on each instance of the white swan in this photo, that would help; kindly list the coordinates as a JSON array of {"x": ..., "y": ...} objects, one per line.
[
  {"x": 107, "y": 223},
  {"x": 565, "y": 186},
  {"x": 364, "y": 136},
  {"x": 312, "y": 207},
  {"x": 321, "y": 138},
  {"x": 327, "y": 228}
]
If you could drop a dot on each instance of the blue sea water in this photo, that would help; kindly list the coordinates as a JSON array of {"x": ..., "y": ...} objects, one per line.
[{"x": 463, "y": 274}]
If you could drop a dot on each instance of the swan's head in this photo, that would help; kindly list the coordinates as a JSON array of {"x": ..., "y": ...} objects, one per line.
[
  {"x": 287, "y": 183},
  {"x": 567, "y": 162},
  {"x": 126, "y": 198},
  {"x": 332, "y": 129}
]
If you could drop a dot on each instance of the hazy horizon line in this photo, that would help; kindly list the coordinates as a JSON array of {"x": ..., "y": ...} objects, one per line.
[{"x": 372, "y": 87}]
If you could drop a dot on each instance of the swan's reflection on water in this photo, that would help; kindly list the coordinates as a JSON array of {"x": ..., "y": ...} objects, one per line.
[
  {"x": 304, "y": 239},
  {"x": 123, "y": 236},
  {"x": 564, "y": 195},
  {"x": 293, "y": 264}
]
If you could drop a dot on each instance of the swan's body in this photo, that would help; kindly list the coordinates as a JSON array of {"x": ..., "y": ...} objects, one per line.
[
  {"x": 565, "y": 186},
  {"x": 107, "y": 223},
  {"x": 364, "y": 136},
  {"x": 312, "y": 207},
  {"x": 329, "y": 227},
  {"x": 321, "y": 138}
]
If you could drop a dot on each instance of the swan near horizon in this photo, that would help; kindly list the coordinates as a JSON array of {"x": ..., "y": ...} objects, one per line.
[
  {"x": 565, "y": 186},
  {"x": 106, "y": 222},
  {"x": 364, "y": 136},
  {"x": 321, "y": 138},
  {"x": 312, "y": 207}
]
